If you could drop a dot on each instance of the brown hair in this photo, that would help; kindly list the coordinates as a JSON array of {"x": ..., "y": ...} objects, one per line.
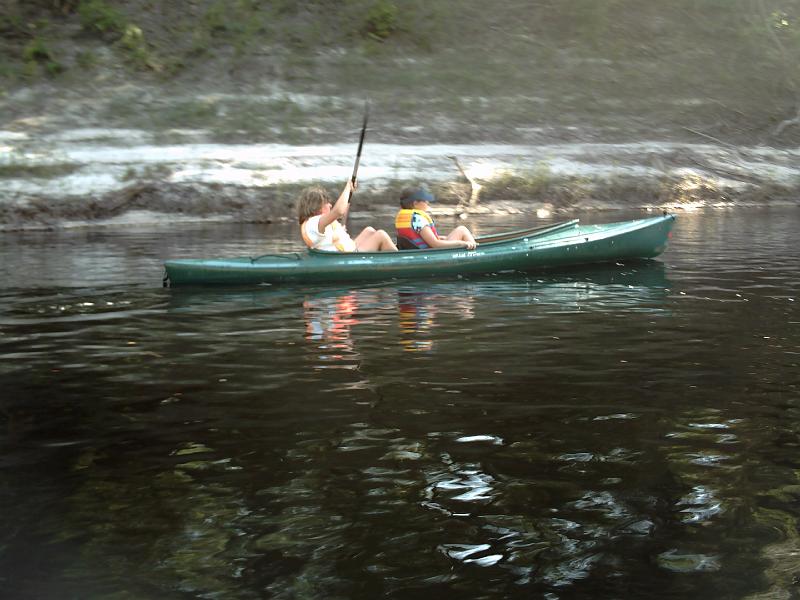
[
  {"x": 406, "y": 198},
  {"x": 310, "y": 202}
]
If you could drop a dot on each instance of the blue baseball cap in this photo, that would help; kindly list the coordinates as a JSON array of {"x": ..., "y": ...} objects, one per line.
[{"x": 420, "y": 194}]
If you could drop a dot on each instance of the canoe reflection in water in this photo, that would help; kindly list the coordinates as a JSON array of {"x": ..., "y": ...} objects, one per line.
[
  {"x": 343, "y": 326},
  {"x": 328, "y": 321},
  {"x": 417, "y": 311},
  {"x": 415, "y": 321}
]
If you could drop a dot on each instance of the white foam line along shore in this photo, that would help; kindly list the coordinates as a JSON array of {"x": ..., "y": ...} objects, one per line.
[{"x": 87, "y": 162}]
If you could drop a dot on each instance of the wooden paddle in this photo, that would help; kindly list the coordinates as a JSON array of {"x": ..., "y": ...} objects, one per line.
[{"x": 358, "y": 158}]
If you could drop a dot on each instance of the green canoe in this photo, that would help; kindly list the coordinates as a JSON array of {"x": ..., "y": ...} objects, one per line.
[{"x": 560, "y": 245}]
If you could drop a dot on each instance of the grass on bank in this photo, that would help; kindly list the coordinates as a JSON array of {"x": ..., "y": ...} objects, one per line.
[{"x": 586, "y": 62}]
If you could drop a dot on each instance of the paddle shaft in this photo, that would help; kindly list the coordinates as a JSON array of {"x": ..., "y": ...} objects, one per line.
[
  {"x": 358, "y": 160},
  {"x": 360, "y": 145}
]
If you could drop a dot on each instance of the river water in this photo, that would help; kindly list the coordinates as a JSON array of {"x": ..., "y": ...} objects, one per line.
[{"x": 611, "y": 432}]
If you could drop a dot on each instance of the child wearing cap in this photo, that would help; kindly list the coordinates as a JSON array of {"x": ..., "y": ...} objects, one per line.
[
  {"x": 321, "y": 229},
  {"x": 416, "y": 229}
]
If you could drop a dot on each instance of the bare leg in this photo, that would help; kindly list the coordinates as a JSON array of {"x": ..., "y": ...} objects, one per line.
[
  {"x": 366, "y": 232},
  {"x": 371, "y": 240},
  {"x": 462, "y": 234},
  {"x": 362, "y": 237}
]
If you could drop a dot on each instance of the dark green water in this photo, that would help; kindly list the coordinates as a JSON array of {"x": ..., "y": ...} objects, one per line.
[{"x": 628, "y": 431}]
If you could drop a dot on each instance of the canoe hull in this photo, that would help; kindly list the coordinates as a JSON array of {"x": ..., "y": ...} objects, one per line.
[{"x": 563, "y": 247}]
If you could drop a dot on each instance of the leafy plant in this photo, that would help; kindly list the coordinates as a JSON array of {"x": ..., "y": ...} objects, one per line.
[
  {"x": 98, "y": 16},
  {"x": 36, "y": 52},
  {"x": 134, "y": 43},
  {"x": 381, "y": 20}
]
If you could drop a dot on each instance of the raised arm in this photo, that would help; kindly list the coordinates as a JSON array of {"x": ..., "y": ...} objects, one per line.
[{"x": 339, "y": 209}]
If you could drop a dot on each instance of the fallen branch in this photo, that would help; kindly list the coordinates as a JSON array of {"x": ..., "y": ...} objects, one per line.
[{"x": 474, "y": 185}]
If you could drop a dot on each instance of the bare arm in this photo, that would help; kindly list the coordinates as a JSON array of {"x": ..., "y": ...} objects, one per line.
[
  {"x": 339, "y": 209},
  {"x": 430, "y": 238}
]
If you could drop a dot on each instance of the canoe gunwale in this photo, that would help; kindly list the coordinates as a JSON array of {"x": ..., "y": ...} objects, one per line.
[{"x": 504, "y": 236}]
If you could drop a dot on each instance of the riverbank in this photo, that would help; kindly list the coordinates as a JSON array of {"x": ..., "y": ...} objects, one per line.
[
  {"x": 99, "y": 176},
  {"x": 220, "y": 111}
]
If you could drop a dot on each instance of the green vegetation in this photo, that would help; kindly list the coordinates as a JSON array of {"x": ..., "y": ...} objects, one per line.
[
  {"x": 186, "y": 31},
  {"x": 381, "y": 20},
  {"x": 36, "y": 53},
  {"x": 100, "y": 17},
  {"x": 507, "y": 185},
  {"x": 724, "y": 67},
  {"x": 137, "y": 50}
]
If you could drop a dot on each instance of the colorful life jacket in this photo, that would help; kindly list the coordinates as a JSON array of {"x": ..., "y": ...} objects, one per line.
[{"x": 409, "y": 222}]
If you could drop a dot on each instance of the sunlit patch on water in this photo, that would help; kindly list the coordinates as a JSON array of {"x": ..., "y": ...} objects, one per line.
[
  {"x": 615, "y": 416},
  {"x": 577, "y": 457},
  {"x": 675, "y": 560},
  {"x": 707, "y": 459},
  {"x": 472, "y": 554},
  {"x": 699, "y": 506},
  {"x": 461, "y": 484},
  {"x": 491, "y": 439},
  {"x": 726, "y": 425},
  {"x": 603, "y": 502},
  {"x": 404, "y": 452},
  {"x": 569, "y": 571},
  {"x": 615, "y": 455},
  {"x": 363, "y": 437}
]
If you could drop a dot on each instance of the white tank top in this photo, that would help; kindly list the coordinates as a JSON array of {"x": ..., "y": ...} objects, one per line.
[{"x": 334, "y": 239}]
